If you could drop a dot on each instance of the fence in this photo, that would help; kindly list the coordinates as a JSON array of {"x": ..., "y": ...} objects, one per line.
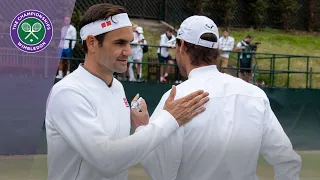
[
  {"x": 282, "y": 70},
  {"x": 273, "y": 70},
  {"x": 244, "y": 14}
]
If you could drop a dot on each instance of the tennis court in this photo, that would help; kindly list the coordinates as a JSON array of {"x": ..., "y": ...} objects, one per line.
[{"x": 35, "y": 168}]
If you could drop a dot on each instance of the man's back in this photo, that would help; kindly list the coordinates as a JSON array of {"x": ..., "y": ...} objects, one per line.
[{"x": 224, "y": 142}]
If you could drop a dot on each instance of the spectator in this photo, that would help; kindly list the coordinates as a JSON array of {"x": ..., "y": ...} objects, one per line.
[
  {"x": 245, "y": 58},
  {"x": 137, "y": 54},
  {"x": 177, "y": 73},
  {"x": 163, "y": 53},
  {"x": 226, "y": 43},
  {"x": 134, "y": 27},
  {"x": 68, "y": 37}
]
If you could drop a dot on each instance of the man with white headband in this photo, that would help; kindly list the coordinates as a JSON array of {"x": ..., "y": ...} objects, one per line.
[
  {"x": 225, "y": 141},
  {"x": 88, "y": 116}
]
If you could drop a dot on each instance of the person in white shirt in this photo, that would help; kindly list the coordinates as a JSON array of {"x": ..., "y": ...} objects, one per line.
[
  {"x": 164, "y": 55},
  {"x": 130, "y": 59},
  {"x": 66, "y": 45},
  {"x": 137, "y": 54},
  {"x": 224, "y": 142},
  {"x": 87, "y": 113},
  {"x": 226, "y": 43}
]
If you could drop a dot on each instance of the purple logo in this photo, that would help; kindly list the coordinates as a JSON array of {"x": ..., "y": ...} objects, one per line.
[{"x": 31, "y": 31}]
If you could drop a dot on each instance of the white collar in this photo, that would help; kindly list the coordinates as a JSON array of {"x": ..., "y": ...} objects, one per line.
[
  {"x": 93, "y": 77},
  {"x": 203, "y": 71}
]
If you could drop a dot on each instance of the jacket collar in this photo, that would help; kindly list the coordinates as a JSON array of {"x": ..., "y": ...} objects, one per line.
[{"x": 203, "y": 71}]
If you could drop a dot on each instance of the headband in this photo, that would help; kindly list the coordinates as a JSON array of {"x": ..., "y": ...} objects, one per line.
[{"x": 102, "y": 26}]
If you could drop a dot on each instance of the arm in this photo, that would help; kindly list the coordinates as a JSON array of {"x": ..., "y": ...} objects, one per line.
[
  {"x": 163, "y": 41},
  {"x": 220, "y": 44},
  {"x": 277, "y": 149},
  {"x": 144, "y": 40},
  {"x": 164, "y": 161},
  {"x": 74, "y": 117},
  {"x": 136, "y": 39},
  {"x": 74, "y": 37},
  {"x": 239, "y": 47}
]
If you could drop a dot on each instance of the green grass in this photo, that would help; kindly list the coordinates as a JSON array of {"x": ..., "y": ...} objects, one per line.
[
  {"x": 273, "y": 41},
  {"x": 35, "y": 168}
]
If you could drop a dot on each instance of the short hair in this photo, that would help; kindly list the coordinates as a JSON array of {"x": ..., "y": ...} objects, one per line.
[
  {"x": 249, "y": 36},
  {"x": 99, "y": 12},
  {"x": 170, "y": 29},
  {"x": 200, "y": 55},
  {"x": 225, "y": 30}
]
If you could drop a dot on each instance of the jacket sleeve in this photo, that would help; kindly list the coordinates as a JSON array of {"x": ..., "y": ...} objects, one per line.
[
  {"x": 163, "y": 41},
  {"x": 277, "y": 149},
  {"x": 74, "y": 116},
  {"x": 163, "y": 162}
]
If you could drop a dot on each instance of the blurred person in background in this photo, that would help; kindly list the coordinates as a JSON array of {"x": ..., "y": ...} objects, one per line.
[
  {"x": 226, "y": 43},
  {"x": 164, "y": 55},
  {"x": 68, "y": 37},
  {"x": 137, "y": 54},
  {"x": 245, "y": 58},
  {"x": 130, "y": 60}
]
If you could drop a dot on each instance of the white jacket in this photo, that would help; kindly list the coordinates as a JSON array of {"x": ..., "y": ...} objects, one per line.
[
  {"x": 225, "y": 141},
  {"x": 88, "y": 126}
]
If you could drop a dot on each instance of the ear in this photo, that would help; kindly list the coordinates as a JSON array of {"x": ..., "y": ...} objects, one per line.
[
  {"x": 182, "y": 47},
  {"x": 91, "y": 43}
]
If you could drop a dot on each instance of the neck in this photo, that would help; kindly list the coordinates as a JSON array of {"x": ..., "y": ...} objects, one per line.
[
  {"x": 91, "y": 66},
  {"x": 190, "y": 67}
]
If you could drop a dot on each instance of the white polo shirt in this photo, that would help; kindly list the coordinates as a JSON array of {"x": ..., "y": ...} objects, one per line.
[
  {"x": 137, "y": 38},
  {"x": 226, "y": 44},
  {"x": 164, "y": 51},
  {"x": 137, "y": 52},
  {"x": 224, "y": 142},
  {"x": 68, "y": 32},
  {"x": 88, "y": 126}
]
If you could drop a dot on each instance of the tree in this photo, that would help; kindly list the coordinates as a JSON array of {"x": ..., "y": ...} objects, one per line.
[
  {"x": 221, "y": 10},
  {"x": 284, "y": 9},
  {"x": 313, "y": 14},
  {"x": 258, "y": 12},
  {"x": 195, "y": 7}
]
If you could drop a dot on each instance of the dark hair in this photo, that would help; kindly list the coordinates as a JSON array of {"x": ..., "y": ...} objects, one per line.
[
  {"x": 200, "y": 55},
  {"x": 249, "y": 36},
  {"x": 169, "y": 29},
  {"x": 225, "y": 30},
  {"x": 99, "y": 12}
]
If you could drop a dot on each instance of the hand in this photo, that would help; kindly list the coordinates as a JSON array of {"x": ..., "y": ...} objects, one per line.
[
  {"x": 186, "y": 108},
  {"x": 139, "y": 118}
]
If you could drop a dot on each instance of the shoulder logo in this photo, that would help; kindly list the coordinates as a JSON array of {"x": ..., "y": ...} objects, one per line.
[
  {"x": 126, "y": 102},
  {"x": 31, "y": 31}
]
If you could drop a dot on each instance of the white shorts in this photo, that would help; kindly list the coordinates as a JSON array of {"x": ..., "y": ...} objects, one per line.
[{"x": 136, "y": 55}]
